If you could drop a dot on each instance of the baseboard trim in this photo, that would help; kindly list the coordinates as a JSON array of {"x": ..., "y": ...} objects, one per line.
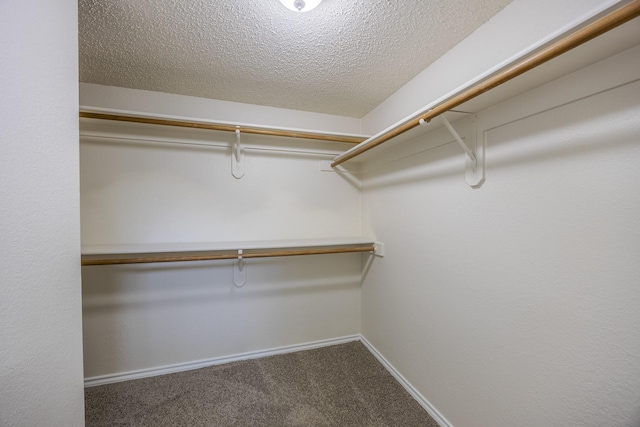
[
  {"x": 181, "y": 367},
  {"x": 437, "y": 416}
]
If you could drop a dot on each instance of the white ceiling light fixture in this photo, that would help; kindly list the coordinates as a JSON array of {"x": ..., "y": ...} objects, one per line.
[{"x": 301, "y": 5}]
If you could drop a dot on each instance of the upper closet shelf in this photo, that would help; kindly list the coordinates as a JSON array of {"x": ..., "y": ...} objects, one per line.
[{"x": 557, "y": 44}]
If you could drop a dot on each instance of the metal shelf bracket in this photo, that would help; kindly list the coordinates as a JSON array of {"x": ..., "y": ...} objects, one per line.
[
  {"x": 378, "y": 249},
  {"x": 474, "y": 149},
  {"x": 239, "y": 271},
  {"x": 237, "y": 157}
]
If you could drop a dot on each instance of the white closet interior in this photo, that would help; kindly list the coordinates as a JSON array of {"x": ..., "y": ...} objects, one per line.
[
  {"x": 532, "y": 269},
  {"x": 506, "y": 304}
]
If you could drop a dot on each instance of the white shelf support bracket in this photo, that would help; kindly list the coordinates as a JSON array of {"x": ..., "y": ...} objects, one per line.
[
  {"x": 239, "y": 271},
  {"x": 237, "y": 157},
  {"x": 474, "y": 161},
  {"x": 378, "y": 249},
  {"x": 464, "y": 146}
]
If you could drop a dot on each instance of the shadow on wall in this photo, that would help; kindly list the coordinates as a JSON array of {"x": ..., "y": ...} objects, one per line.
[
  {"x": 141, "y": 316},
  {"x": 107, "y": 287},
  {"x": 578, "y": 128},
  {"x": 132, "y": 193}
]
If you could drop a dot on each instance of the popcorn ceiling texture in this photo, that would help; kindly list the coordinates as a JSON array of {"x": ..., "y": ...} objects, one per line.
[{"x": 343, "y": 58}]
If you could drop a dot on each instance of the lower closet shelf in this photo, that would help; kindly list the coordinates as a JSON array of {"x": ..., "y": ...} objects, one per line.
[{"x": 180, "y": 252}]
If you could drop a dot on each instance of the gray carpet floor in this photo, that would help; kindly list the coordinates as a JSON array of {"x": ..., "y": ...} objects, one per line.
[{"x": 341, "y": 385}]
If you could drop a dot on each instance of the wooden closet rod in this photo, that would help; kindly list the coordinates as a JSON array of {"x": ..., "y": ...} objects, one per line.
[
  {"x": 144, "y": 259},
  {"x": 223, "y": 127},
  {"x": 600, "y": 26}
]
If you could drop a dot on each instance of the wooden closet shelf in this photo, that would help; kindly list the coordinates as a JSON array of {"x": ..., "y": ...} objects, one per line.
[
  {"x": 616, "y": 16},
  {"x": 141, "y": 254},
  {"x": 224, "y": 127}
]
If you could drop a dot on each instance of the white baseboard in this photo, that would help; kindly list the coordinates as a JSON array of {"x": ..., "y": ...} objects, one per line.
[
  {"x": 440, "y": 419},
  {"x": 181, "y": 367}
]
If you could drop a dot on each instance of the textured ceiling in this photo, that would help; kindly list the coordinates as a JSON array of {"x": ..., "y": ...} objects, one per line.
[{"x": 344, "y": 58}]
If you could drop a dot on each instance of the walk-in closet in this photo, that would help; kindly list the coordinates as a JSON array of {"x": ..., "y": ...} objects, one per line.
[{"x": 374, "y": 213}]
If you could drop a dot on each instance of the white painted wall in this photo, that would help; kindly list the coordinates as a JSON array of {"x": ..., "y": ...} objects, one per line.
[
  {"x": 140, "y": 317},
  {"x": 517, "y": 303},
  {"x": 40, "y": 305},
  {"x": 512, "y": 304}
]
